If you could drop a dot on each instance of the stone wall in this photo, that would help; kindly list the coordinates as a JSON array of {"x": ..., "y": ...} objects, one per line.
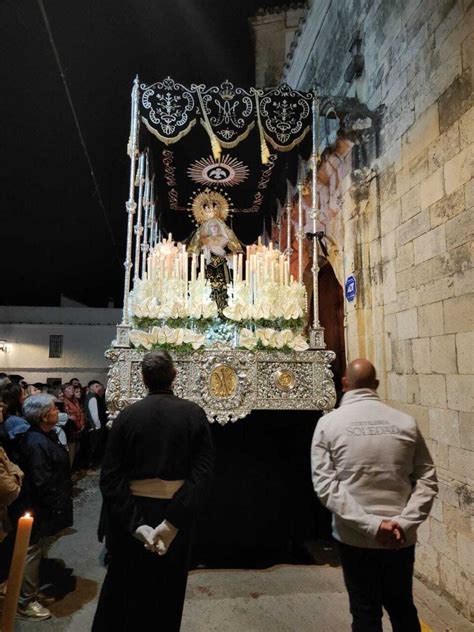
[
  {"x": 409, "y": 239},
  {"x": 273, "y": 32}
]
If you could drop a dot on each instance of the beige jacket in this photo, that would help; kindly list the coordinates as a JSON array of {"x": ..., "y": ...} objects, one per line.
[
  {"x": 370, "y": 462},
  {"x": 11, "y": 478}
]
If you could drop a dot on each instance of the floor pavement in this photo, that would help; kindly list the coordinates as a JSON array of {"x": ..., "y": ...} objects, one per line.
[{"x": 284, "y": 598}]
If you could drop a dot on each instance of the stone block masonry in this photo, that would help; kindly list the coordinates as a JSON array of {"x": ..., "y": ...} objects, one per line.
[{"x": 419, "y": 63}]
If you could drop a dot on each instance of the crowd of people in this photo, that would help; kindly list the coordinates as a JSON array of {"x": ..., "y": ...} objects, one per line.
[
  {"x": 48, "y": 434},
  {"x": 370, "y": 467}
]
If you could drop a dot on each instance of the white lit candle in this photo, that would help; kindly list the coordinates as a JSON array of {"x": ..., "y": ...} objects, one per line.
[{"x": 17, "y": 568}]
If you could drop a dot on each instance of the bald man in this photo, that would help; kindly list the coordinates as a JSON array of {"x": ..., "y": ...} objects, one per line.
[{"x": 371, "y": 468}]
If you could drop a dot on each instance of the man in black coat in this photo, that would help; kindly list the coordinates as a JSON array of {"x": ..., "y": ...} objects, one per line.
[{"x": 155, "y": 475}]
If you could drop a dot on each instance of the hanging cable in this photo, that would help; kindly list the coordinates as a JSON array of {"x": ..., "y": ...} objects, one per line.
[{"x": 78, "y": 127}]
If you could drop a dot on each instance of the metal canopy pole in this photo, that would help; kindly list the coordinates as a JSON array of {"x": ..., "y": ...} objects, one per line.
[
  {"x": 289, "y": 207},
  {"x": 300, "y": 224},
  {"x": 316, "y": 334},
  {"x": 130, "y": 205},
  {"x": 314, "y": 208},
  {"x": 146, "y": 221},
  {"x": 138, "y": 224},
  {"x": 278, "y": 223},
  {"x": 151, "y": 219}
]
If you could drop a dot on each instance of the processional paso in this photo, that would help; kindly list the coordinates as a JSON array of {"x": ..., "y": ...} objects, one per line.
[{"x": 238, "y": 312}]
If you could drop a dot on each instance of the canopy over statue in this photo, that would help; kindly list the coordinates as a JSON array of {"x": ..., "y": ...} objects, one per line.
[{"x": 240, "y": 318}]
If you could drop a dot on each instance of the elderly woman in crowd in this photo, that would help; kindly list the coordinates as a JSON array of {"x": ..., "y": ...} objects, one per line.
[{"x": 46, "y": 492}]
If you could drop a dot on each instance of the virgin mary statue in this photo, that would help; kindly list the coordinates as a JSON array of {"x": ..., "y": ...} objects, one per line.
[{"x": 215, "y": 240}]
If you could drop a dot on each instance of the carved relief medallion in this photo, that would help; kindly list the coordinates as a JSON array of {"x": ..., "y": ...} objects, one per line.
[
  {"x": 285, "y": 380},
  {"x": 223, "y": 381}
]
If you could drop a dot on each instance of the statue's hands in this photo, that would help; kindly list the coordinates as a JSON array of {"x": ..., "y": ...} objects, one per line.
[
  {"x": 218, "y": 250},
  {"x": 163, "y": 536}
]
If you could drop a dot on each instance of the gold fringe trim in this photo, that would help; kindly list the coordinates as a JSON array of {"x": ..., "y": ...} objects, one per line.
[
  {"x": 164, "y": 139},
  {"x": 215, "y": 146},
  {"x": 234, "y": 143},
  {"x": 287, "y": 147},
  {"x": 264, "y": 151}
]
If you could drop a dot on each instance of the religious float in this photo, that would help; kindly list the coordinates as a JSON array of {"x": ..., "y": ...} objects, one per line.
[{"x": 221, "y": 266}]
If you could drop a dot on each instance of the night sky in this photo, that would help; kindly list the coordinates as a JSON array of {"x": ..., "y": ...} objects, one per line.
[{"x": 55, "y": 237}]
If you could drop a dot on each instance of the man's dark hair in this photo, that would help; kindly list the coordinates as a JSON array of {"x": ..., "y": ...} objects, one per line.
[
  {"x": 16, "y": 379},
  {"x": 158, "y": 370},
  {"x": 92, "y": 382},
  {"x": 39, "y": 385},
  {"x": 11, "y": 396},
  {"x": 3, "y": 376}
]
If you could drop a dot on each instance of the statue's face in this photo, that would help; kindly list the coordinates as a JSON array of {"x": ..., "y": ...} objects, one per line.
[
  {"x": 214, "y": 230},
  {"x": 208, "y": 210}
]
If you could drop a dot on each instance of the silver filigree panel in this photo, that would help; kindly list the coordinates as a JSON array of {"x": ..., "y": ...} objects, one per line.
[{"x": 230, "y": 383}]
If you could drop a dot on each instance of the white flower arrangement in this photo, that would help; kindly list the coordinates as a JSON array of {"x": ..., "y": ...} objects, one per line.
[
  {"x": 265, "y": 310},
  {"x": 166, "y": 336},
  {"x": 169, "y": 299},
  {"x": 272, "y": 302},
  {"x": 272, "y": 338}
]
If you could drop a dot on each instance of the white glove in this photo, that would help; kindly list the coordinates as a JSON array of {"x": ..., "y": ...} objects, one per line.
[
  {"x": 163, "y": 536},
  {"x": 144, "y": 533}
]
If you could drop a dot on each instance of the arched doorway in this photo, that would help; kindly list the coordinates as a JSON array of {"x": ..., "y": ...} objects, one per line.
[{"x": 331, "y": 316}]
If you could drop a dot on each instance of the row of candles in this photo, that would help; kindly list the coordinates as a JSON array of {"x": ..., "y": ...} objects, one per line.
[{"x": 263, "y": 264}]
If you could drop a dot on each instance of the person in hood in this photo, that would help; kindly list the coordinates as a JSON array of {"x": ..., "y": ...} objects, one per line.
[{"x": 371, "y": 468}]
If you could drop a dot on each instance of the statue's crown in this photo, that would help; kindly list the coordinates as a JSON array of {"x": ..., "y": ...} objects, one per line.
[{"x": 209, "y": 204}]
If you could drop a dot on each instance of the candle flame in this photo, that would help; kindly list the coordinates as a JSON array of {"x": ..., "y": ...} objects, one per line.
[{"x": 27, "y": 515}]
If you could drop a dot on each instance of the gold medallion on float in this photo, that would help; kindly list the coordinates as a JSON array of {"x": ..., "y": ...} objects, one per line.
[
  {"x": 223, "y": 381},
  {"x": 284, "y": 380}
]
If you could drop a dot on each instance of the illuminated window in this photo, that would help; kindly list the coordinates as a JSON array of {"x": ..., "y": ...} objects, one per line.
[{"x": 55, "y": 346}]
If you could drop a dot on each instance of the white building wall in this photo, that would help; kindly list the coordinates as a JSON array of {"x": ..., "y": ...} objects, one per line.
[{"x": 87, "y": 333}]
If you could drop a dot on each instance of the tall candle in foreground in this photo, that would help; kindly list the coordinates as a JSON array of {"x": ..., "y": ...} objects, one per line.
[{"x": 15, "y": 576}]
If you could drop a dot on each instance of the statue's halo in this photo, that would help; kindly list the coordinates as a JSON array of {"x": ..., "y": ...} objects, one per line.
[{"x": 209, "y": 204}]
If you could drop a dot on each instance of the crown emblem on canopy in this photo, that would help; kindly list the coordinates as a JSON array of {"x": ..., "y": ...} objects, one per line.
[{"x": 227, "y": 90}]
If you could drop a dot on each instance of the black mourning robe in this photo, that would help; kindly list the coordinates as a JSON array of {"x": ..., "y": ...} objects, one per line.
[{"x": 161, "y": 436}]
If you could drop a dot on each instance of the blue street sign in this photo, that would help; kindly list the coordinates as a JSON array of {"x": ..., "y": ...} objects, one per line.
[{"x": 350, "y": 288}]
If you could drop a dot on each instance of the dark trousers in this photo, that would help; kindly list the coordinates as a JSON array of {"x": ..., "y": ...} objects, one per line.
[
  {"x": 143, "y": 591},
  {"x": 376, "y": 579}
]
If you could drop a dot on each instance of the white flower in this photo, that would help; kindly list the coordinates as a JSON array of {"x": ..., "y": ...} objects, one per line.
[
  {"x": 195, "y": 310},
  {"x": 283, "y": 338},
  {"x": 248, "y": 340},
  {"x": 198, "y": 341},
  {"x": 141, "y": 339},
  {"x": 266, "y": 336},
  {"x": 236, "y": 312},
  {"x": 209, "y": 310},
  {"x": 298, "y": 343},
  {"x": 179, "y": 337}
]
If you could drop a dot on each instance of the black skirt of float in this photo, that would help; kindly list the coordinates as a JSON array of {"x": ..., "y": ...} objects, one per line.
[{"x": 262, "y": 508}]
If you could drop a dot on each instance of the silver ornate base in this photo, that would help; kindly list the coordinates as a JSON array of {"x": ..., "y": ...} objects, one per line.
[{"x": 230, "y": 383}]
